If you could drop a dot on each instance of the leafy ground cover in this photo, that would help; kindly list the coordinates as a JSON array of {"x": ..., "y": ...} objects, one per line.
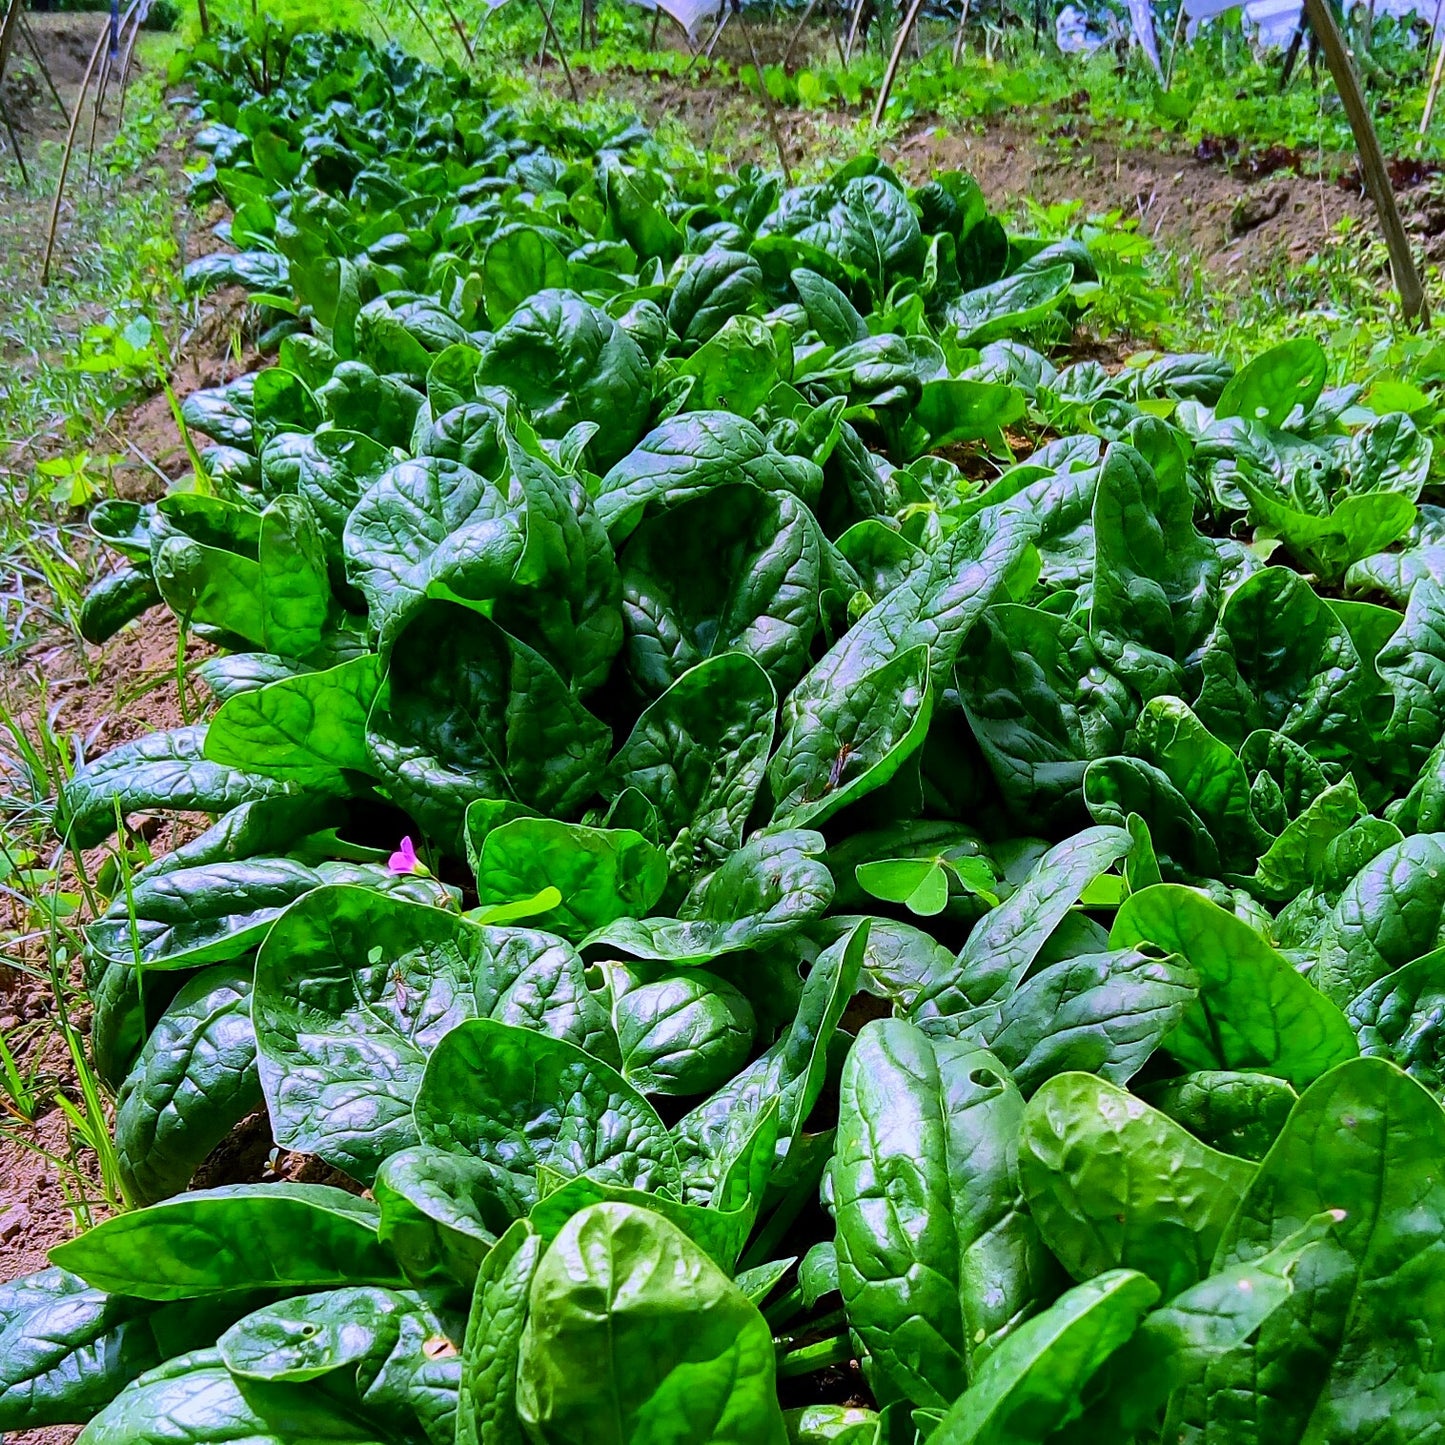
[{"x": 828, "y": 877}]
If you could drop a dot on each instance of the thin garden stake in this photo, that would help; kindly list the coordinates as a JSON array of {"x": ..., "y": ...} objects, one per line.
[
  {"x": 1291, "y": 56},
  {"x": 768, "y": 105},
  {"x": 1434, "y": 34},
  {"x": 107, "y": 64},
  {"x": 853, "y": 24},
  {"x": 125, "y": 67},
  {"x": 7, "y": 34},
  {"x": 430, "y": 33},
  {"x": 28, "y": 36},
  {"x": 1434, "y": 94},
  {"x": 14, "y": 145},
  {"x": 561, "y": 53},
  {"x": 1372, "y": 162},
  {"x": 461, "y": 32},
  {"x": 1174, "y": 45},
  {"x": 904, "y": 31},
  {"x": 698, "y": 51},
  {"x": 69, "y": 150},
  {"x": 958, "y": 37},
  {"x": 797, "y": 34}
]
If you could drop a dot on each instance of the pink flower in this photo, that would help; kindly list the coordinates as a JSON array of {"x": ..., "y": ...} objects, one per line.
[{"x": 404, "y": 860}]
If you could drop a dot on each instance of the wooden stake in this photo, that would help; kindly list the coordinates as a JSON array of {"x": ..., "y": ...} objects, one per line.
[
  {"x": 910, "y": 19},
  {"x": 1174, "y": 46},
  {"x": 768, "y": 104},
  {"x": 430, "y": 33},
  {"x": 106, "y": 66},
  {"x": 797, "y": 34},
  {"x": 1434, "y": 29},
  {"x": 28, "y": 36},
  {"x": 15, "y": 145},
  {"x": 7, "y": 34},
  {"x": 125, "y": 72},
  {"x": 853, "y": 25},
  {"x": 69, "y": 150},
  {"x": 1434, "y": 94},
  {"x": 958, "y": 38},
  {"x": 1372, "y": 162},
  {"x": 561, "y": 54},
  {"x": 461, "y": 32}
]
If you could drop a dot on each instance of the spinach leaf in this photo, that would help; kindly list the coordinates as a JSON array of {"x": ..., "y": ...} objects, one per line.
[
  {"x": 697, "y": 755},
  {"x": 762, "y": 893},
  {"x": 602, "y": 873},
  {"x": 1005, "y": 943},
  {"x": 937, "y": 1258},
  {"x": 633, "y": 1332},
  {"x": 243, "y": 1236},
  {"x": 687, "y": 457},
  {"x": 68, "y": 1349},
  {"x": 160, "y": 770},
  {"x": 487, "y": 1405},
  {"x": 1111, "y": 1183},
  {"x": 195, "y": 1078},
  {"x": 309, "y": 731},
  {"x": 520, "y": 1100},
  {"x": 1339, "y": 1353},
  {"x": 1254, "y": 1011},
  {"x": 354, "y": 991},
  {"x": 566, "y": 362},
  {"x": 1037, "y": 1381},
  {"x": 735, "y": 569},
  {"x": 1389, "y": 914}
]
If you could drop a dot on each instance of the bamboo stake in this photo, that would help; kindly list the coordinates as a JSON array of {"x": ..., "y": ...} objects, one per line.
[
  {"x": 958, "y": 36},
  {"x": 430, "y": 33},
  {"x": 797, "y": 34},
  {"x": 28, "y": 36},
  {"x": 7, "y": 34},
  {"x": 909, "y": 21},
  {"x": 707, "y": 56},
  {"x": 1434, "y": 94},
  {"x": 1291, "y": 56},
  {"x": 106, "y": 65},
  {"x": 1434, "y": 32},
  {"x": 69, "y": 147},
  {"x": 125, "y": 67},
  {"x": 768, "y": 104},
  {"x": 15, "y": 145},
  {"x": 852, "y": 39},
  {"x": 1372, "y": 162},
  {"x": 561, "y": 53},
  {"x": 1174, "y": 46},
  {"x": 461, "y": 32},
  {"x": 700, "y": 51}
]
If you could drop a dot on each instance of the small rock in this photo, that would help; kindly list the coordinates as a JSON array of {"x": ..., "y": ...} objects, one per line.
[
  {"x": 1254, "y": 208},
  {"x": 14, "y": 1221}
]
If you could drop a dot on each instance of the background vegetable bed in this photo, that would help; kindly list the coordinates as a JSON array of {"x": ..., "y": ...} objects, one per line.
[{"x": 984, "y": 931}]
